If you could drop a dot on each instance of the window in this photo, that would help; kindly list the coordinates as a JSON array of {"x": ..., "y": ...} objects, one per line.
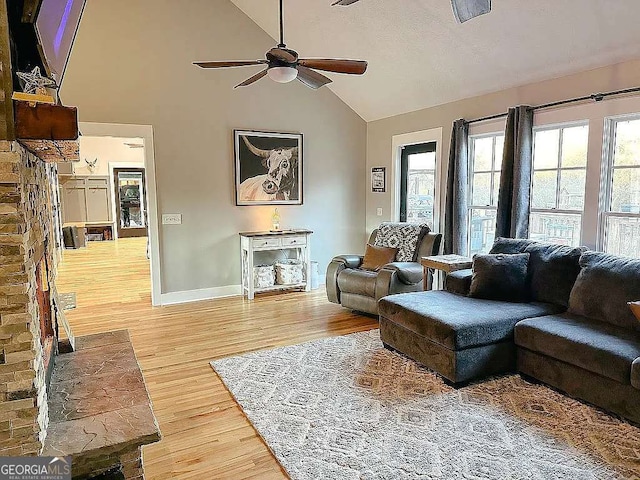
[
  {"x": 559, "y": 182},
  {"x": 417, "y": 183},
  {"x": 621, "y": 219},
  {"x": 484, "y": 184}
]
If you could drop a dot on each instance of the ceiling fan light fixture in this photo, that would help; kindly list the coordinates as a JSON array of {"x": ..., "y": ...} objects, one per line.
[{"x": 282, "y": 74}]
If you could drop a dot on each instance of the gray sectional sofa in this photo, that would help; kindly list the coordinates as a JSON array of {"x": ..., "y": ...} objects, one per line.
[{"x": 575, "y": 332}]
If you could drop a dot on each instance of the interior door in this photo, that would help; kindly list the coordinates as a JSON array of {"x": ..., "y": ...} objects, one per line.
[{"x": 131, "y": 202}]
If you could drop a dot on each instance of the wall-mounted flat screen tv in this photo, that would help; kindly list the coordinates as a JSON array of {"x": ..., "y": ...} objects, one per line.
[{"x": 56, "y": 26}]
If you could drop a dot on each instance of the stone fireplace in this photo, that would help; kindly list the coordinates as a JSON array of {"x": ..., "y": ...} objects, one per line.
[
  {"x": 88, "y": 400},
  {"x": 28, "y": 317}
]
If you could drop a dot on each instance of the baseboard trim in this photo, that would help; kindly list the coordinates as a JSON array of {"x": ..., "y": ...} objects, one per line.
[{"x": 188, "y": 296}]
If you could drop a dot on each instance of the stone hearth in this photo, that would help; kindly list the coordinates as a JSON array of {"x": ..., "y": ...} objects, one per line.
[{"x": 99, "y": 408}]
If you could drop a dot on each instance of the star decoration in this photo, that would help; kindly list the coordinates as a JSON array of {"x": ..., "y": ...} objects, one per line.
[{"x": 34, "y": 82}]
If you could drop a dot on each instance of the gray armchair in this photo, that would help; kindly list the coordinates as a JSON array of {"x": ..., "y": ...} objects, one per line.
[{"x": 360, "y": 290}]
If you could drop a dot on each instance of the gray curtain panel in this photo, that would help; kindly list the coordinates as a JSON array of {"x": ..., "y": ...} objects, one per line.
[
  {"x": 514, "y": 198},
  {"x": 455, "y": 230}
]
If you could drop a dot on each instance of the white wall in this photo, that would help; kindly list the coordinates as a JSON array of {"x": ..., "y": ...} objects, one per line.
[
  {"x": 107, "y": 150},
  {"x": 132, "y": 63}
]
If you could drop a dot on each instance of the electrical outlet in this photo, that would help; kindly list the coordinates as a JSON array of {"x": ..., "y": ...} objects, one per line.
[
  {"x": 172, "y": 219},
  {"x": 379, "y": 212}
]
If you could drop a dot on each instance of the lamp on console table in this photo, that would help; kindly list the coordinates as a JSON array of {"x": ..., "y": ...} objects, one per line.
[{"x": 275, "y": 221}]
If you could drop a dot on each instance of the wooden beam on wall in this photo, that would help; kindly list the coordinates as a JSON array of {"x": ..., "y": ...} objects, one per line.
[{"x": 7, "y": 131}]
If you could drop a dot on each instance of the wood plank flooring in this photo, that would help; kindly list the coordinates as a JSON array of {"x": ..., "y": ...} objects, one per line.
[{"x": 205, "y": 434}]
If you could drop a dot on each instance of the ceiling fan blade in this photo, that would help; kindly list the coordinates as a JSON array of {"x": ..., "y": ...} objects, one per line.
[
  {"x": 241, "y": 63},
  {"x": 283, "y": 54},
  {"x": 312, "y": 79},
  {"x": 353, "y": 67},
  {"x": 344, "y": 2},
  {"x": 253, "y": 79},
  {"x": 465, "y": 10}
]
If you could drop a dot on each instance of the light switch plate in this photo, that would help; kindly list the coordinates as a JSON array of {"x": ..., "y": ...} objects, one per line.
[
  {"x": 172, "y": 219},
  {"x": 379, "y": 212}
]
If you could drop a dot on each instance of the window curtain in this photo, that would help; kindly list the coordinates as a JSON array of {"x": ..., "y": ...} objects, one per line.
[
  {"x": 514, "y": 205},
  {"x": 455, "y": 231}
]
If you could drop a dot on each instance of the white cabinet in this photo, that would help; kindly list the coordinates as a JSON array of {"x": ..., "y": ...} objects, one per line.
[{"x": 285, "y": 244}]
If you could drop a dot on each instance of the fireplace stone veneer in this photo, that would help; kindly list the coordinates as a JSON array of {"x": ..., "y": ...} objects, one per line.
[
  {"x": 27, "y": 235},
  {"x": 96, "y": 406}
]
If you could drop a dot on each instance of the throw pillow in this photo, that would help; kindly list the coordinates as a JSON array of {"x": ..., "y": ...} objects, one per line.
[
  {"x": 604, "y": 286},
  {"x": 404, "y": 236},
  {"x": 635, "y": 308},
  {"x": 377, "y": 257},
  {"x": 553, "y": 270},
  {"x": 510, "y": 245},
  {"x": 500, "y": 277}
]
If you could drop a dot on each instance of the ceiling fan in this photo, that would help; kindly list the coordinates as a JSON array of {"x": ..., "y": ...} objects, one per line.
[
  {"x": 283, "y": 65},
  {"x": 463, "y": 9}
]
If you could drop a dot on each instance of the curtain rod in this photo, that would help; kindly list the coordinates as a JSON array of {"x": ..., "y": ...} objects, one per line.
[{"x": 598, "y": 97}]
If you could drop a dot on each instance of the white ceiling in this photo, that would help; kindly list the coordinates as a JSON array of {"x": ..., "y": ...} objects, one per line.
[{"x": 419, "y": 56}]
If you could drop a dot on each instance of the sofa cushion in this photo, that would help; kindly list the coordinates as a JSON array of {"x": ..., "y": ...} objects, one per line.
[
  {"x": 377, "y": 257},
  {"x": 635, "y": 373},
  {"x": 510, "y": 245},
  {"x": 553, "y": 270},
  {"x": 458, "y": 322},
  {"x": 406, "y": 237},
  {"x": 360, "y": 282},
  {"x": 596, "y": 346},
  {"x": 500, "y": 277},
  {"x": 459, "y": 281},
  {"x": 604, "y": 286}
]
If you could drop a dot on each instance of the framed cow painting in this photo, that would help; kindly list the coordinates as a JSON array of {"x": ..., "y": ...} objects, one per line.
[{"x": 268, "y": 168}]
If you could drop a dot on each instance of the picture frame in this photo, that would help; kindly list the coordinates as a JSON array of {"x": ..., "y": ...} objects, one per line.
[
  {"x": 378, "y": 179},
  {"x": 268, "y": 167}
]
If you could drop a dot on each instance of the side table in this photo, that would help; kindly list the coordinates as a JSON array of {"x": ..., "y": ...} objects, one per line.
[{"x": 444, "y": 263}]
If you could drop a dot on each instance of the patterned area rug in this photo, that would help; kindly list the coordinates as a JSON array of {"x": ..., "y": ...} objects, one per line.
[{"x": 346, "y": 408}]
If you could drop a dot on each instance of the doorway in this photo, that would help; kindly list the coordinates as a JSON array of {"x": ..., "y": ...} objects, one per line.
[
  {"x": 131, "y": 202},
  {"x": 418, "y": 183},
  {"x": 134, "y": 138}
]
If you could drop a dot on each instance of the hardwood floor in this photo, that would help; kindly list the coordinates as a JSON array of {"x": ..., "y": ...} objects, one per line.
[{"x": 205, "y": 434}]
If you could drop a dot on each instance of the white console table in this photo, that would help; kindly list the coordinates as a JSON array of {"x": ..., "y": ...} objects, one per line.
[{"x": 286, "y": 241}]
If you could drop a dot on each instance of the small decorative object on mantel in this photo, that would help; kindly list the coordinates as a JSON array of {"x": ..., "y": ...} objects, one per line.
[
  {"x": 34, "y": 82},
  {"x": 268, "y": 168},
  {"x": 378, "y": 179}
]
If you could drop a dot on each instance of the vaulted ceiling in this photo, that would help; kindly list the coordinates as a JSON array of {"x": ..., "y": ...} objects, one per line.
[{"x": 419, "y": 56}]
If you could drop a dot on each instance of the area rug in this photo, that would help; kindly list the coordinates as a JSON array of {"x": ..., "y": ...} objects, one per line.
[{"x": 346, "y": 408}]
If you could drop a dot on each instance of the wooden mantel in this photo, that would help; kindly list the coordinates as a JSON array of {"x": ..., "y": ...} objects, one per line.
[
  {"x": 48, "y": 131},
  {"x": 53, "y": 151}
]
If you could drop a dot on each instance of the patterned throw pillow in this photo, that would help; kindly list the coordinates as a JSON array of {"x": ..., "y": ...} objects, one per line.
[{"x": 403, "y": 236}]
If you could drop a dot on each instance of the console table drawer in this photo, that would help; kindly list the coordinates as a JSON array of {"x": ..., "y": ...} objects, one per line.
[
  {"x": 294, "y": 241},
  {"x": 259, "y": 242}
]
